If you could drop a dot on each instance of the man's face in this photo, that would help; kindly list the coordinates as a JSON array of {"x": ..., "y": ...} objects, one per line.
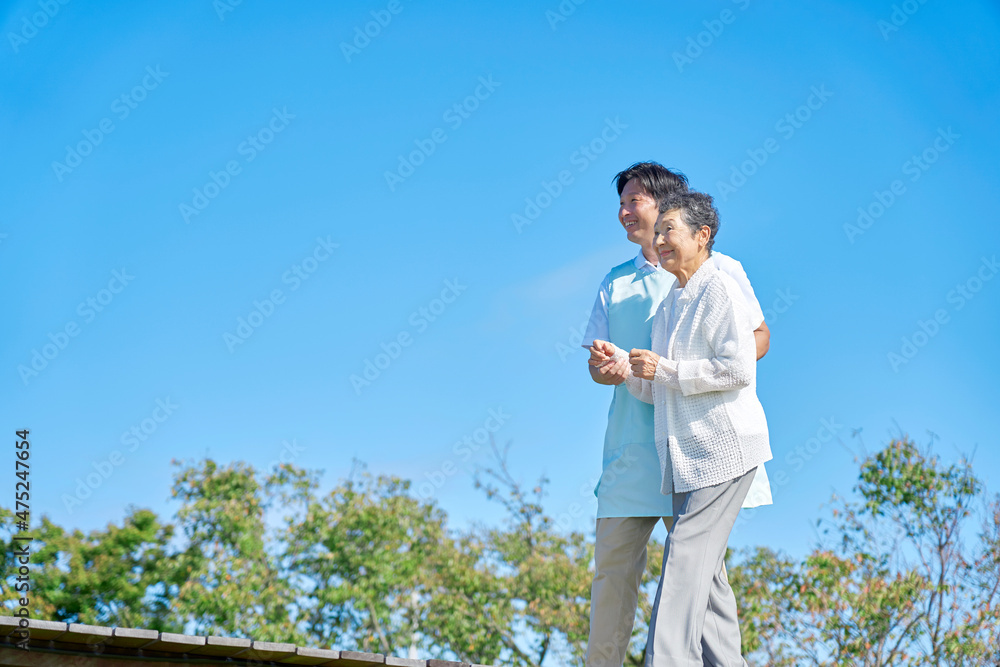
[{"x": 637, "y": 211}]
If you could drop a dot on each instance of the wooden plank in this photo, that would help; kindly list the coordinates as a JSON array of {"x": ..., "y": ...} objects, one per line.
[
  {"x": 392, "y": 661},
  {"x": 170, "y": 642},
  {"x": 223, "y": 646},
  {"x": 39, "y": 629},
  {"x": 269, "y": 651},
  {"x": 133, "y": 637},
  {"x": 312, "y": 656},
  {"x": 356, "y": 659},
  {"x": 88, "y": 635}
]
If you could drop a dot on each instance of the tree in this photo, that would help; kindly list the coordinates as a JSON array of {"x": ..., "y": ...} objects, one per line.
[
  {"x": 763, "y": 582},
  {"x": 231, "y": 577},
  {"x": 116, "y": 576},
  {"x": 895, "y": 583},
  {"x": 362, "y": 557},
  {"x": 898, "y": 577},
  {"x": 544, "y": 570}
]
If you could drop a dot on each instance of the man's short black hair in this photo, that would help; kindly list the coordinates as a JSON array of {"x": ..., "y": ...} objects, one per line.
[
  {"x": 697, "y": 211},
  {"x": 656, "y": 179}
]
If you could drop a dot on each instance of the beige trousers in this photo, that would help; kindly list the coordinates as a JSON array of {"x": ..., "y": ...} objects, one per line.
[{"x": 620, "y": 557}]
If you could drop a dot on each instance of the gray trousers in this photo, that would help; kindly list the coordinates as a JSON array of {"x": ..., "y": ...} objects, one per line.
[{"x": 694, "y": 619}]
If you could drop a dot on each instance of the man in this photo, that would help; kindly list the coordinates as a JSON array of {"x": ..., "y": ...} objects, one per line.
[{"x": 629, "y": 502}]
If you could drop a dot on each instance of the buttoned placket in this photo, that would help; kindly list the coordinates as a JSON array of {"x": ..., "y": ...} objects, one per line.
[{"x": 685, "y": 299}]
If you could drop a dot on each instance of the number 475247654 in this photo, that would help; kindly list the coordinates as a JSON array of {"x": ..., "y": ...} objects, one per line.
[{"x": 22, "y": 470}]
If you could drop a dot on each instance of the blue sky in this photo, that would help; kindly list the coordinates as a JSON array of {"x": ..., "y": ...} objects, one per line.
[{"x": 273, "y": 164}]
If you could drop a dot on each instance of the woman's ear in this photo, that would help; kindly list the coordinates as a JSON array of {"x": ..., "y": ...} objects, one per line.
[{"x": 704, "y": 235}]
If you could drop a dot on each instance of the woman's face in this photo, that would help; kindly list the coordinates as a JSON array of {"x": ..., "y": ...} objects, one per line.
[{"x": 677, "y": 247}]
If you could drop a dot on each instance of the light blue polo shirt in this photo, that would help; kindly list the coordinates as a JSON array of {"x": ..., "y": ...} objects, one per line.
[{"x": 631, "y": 478}]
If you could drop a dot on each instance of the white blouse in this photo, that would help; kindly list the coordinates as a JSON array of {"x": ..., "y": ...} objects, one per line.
[
  {"x": 598, "y": 328},
  {"x": 709, "y": 425}
]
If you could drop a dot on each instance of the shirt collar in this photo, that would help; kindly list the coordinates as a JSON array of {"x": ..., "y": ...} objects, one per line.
[
  {"x": 693, "y": 286},
  {"x": 644, "y": 264}
]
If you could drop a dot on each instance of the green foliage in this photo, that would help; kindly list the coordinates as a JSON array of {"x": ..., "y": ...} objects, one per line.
[
  {"x": 763, "y": 582},
  {"x": 896, "y": 585},
  {"x": 366, "y": 567},
  {"x": 361, "y": 555},
  {"x": 231, "y": 576},
  {"x": 899, "y": 578},
  {"x": 545, "y": 571},
  {"x": 110, "y": 577}
]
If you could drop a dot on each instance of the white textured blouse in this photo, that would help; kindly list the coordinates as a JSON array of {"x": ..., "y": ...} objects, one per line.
[
  {"x": 598, "y": 328},
  {"x": 709, "y": 425}
]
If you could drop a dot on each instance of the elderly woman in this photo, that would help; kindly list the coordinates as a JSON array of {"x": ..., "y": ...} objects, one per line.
[{"x": 711, "y": 434}]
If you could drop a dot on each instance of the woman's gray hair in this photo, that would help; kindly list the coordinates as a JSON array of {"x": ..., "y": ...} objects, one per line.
[{"x": 697, "y": 211}]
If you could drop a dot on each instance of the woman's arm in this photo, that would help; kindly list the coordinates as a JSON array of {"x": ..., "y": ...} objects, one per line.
[{"x": 732, "y": 365}]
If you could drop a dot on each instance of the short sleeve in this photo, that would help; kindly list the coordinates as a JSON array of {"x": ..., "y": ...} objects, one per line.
[
  {"x": 597, "y": 327},
  {"x": 734, "y": 269}
]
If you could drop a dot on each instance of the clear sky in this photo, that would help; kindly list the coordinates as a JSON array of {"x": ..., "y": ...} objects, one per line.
[{"x": 216, "y": 215}]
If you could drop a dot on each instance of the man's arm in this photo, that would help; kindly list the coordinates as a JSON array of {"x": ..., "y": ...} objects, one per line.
[
  {"x": 598, "y": 329},
  {"x": 762, "y": 337},
  {"x": 731, "y": 267}
]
